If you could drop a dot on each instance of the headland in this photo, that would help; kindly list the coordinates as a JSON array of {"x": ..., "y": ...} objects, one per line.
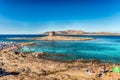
[{"x": 33, "y": 66}]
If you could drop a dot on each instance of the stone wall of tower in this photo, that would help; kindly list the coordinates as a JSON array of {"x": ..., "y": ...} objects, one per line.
[{"x": 51, "y": 33}]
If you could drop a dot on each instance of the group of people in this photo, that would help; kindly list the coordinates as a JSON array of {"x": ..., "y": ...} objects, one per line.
[
  {"x": 10, "y": 44},
  {"x": 100, "y": 71}
]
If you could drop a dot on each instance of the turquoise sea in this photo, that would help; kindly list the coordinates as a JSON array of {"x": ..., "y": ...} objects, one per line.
[{"x": 104, "y": 48}]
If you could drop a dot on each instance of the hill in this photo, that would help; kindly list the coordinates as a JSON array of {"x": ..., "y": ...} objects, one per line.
[
  {"x": 68, "y": 32},
  {"x": 81, "y": 32}
]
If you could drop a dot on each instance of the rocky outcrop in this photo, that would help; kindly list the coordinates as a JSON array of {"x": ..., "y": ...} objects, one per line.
[
  {"x": 69, "y": 32},
  {"x": 63, "y": 38},
  {"x": 75, "y": 32},
  {"x": 16, "y": 67},
  {"x": 81, "y": 32},
  {"x": 28, "y": 67},
  {"x": 52, "y": 36}
]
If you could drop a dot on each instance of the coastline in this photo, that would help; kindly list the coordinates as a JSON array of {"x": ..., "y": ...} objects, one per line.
[
  {"x": 50, "y": 38},
  {"x": 101, "y": 34},
  {"x": 61, "y": 38},
  {"x": 82, "y": 39},
  {"x": 32, "y": 67}
]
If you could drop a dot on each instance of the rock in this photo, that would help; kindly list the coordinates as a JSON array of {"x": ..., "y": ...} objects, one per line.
[
  {"x": 16, "y": 52},
  {"x": 43, "y": 72},
  {"x": 63, "y": 38},
  {"x": 53, "y": 78},
  {"x": 68, "y": 32}
]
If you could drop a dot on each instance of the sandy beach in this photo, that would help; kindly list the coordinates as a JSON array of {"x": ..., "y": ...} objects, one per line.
[{"x": 33, "y": 66}]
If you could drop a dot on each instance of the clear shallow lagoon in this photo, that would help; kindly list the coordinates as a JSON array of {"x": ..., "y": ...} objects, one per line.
[{"x": 104, "y": 48}]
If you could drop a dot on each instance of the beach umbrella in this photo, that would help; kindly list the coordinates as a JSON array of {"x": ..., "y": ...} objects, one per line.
[{"x": 116, "y": 69}]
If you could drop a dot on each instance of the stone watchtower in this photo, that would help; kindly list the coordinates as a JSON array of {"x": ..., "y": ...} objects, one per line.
[{"x": 51, "y": 33}]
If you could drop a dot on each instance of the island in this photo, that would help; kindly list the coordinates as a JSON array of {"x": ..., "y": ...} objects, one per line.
[
  {"x": 52, "y": 36},
  {"x": 67, "y": 35},
  {"x": 82, "y": 32}
]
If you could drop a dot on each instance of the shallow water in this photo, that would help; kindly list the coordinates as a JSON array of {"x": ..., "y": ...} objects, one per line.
[{"x": 104, "y": 48}]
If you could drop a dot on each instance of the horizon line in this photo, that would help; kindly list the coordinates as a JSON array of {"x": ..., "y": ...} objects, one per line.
[{"x": 54, "y": 31}]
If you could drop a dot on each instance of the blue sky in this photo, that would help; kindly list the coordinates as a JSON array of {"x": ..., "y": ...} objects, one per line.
[{"x": 37, "y": 16}]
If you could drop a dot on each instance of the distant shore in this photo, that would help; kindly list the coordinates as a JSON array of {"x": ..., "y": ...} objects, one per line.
[
  {"x": 63, "y": 38},
  {"x": 81, "y": 32},
  {"x": 54, "y": 38},
  {"x": 101, "y": 34}
]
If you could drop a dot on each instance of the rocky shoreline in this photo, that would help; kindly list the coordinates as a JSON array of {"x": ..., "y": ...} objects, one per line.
[
  {"x": 63, "y": 38},
  {"x": 55, "y": 38},
  {"x": 25, "y": 66}
]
